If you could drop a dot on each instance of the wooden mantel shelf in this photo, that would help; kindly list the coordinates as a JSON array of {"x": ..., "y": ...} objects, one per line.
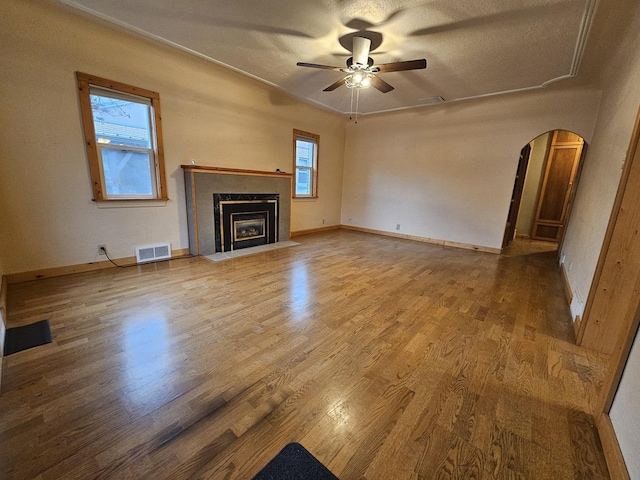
[{"x": 233, "y": 171}]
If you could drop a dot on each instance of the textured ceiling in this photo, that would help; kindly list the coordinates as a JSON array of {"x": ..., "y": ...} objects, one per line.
[{"x": 473, "y": 48}]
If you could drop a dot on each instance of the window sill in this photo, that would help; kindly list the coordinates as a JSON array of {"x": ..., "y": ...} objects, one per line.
[
  {"x": 305, "y": 198},
  {"x": 131, "y": 203}
]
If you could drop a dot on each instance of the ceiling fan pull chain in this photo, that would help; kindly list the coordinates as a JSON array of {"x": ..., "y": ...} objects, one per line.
[
  {"x": 351, "y": 107},
  {"x": 357, "y": 102}
]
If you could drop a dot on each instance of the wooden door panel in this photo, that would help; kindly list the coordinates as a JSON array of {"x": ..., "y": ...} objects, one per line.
[
  {"x": 546, "y": 232},
  {"x": 557, "y": 183},
  {"x": 563, "y": 136},
  {"x": 556, "y": 186}
]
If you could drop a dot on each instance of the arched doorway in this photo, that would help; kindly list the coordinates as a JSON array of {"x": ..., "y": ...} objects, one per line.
[{"x": 544, "y": 188}]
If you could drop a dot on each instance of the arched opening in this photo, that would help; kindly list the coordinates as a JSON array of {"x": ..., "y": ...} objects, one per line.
[{"x": 544, "y": 189}]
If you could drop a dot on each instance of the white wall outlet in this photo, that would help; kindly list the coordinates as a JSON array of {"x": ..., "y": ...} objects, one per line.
[
  {"x": 397, "y": 226},
  {"x": 323, "y": 221},
  {"x": 102, "y": 249}
]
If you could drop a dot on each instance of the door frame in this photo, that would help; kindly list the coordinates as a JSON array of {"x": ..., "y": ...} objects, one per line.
[
  {"x": 572, "y": 193},
  {"x": 516, "y": 196},
  {"x": 628, "y": 328}
]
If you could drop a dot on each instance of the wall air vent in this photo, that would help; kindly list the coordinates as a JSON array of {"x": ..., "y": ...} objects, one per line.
[{"x": 150, "y": 253}]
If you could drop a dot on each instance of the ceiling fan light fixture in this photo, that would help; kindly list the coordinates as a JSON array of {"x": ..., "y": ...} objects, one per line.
[{"x": 358, "y": 79}]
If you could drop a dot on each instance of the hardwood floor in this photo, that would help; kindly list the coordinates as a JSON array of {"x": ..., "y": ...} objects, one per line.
[{"x": 385, "y": 358}]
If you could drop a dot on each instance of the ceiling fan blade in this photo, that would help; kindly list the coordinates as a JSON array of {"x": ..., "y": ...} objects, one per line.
[
  {"x": 335, "y": 85},
  {"x": 315, "y": 65},
  {"x": 400, "y": 66},
  {"x": 380, "y": 84},
  {"x": 361, "y": 46}
]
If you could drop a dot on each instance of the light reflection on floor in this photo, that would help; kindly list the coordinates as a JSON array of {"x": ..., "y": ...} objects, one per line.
[
  {"x": 299, "y": 288},
  {"x": 147, "y": 356}
]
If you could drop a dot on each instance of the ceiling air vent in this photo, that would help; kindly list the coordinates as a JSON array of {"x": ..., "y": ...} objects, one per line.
[
  {"x": 150, "y": 253},
  {"x": 431, "y": 100}
]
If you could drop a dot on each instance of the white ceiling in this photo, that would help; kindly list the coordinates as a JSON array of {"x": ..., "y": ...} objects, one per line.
[{"x": 473, "y": 48}]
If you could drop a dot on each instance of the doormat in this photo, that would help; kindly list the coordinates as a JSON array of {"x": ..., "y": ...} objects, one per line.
[
  {"x": 294, "y": 462},
  {"x": 35, "y": 334}
]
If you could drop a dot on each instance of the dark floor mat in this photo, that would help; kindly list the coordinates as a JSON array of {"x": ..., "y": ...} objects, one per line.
[
  {"x": 35, "y": 334},
  {"x": 294, "y": 462}
]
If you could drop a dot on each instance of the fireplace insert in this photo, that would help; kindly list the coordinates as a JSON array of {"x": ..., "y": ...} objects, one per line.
[{"x": 245, "y": 220}]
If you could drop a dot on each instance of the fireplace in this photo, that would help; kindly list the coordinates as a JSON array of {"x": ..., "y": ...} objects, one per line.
[
  {"x": 244, "y": 220},
  {"x": 270, "y": 191}
]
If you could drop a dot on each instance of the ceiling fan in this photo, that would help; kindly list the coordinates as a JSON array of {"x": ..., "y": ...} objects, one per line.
[{"x": 361, "y": 71}]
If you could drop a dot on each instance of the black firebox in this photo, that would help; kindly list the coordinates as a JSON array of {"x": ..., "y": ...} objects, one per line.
[{"x": 245, "y": 220}]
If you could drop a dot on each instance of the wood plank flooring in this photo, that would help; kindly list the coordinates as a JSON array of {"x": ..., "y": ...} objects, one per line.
[{"x": 386, "y": 358}]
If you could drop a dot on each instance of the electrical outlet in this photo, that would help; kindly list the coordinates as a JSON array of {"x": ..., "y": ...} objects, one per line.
[
  {"x": 323, "y": 221},
  {"x": 397, "y": 226},
  {"x": 102, "y": 249}
]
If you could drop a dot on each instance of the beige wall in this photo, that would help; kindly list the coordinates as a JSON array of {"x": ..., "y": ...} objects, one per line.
[
  {"x": 446, "y": 172},
  {"x": 533, "y": 177},
  {"x": 603, "y": 164},
  {"x": 209, "y": 114}
]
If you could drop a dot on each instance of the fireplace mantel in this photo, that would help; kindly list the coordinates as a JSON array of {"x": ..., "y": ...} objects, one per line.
[
  {"x": 234, "y": 171},
  {"x": 202, "y": 182}
]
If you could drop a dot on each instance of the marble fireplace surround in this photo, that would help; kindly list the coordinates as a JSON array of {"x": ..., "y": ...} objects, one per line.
[{"x": 201, "y": 182}]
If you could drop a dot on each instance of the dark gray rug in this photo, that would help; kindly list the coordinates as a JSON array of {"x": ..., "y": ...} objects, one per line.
[
  {"x": 294, "y": 462},
  {"x": 21, "y": 338}
]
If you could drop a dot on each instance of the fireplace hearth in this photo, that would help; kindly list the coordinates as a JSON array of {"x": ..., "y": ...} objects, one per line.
[
  {"x": 202, "y": 182},
  {"x": 245, "y": 220}
]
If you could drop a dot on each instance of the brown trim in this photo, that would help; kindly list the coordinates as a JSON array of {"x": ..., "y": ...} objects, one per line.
[
  {"x": 121, "y": 87},
  {"x": 617, "y": 363},
  {"x": 163, "y": 193},
  {"x": 233, "y": 171},
  {"x": 612, "y": 454},
  {"x": 625, "y": 328},
  {"x": 85, "y": 81},
  {"x": 89, "y": 134},
  {"x": 615, "y": 211},
  {"x": 130, "y": 200},
  {"x": 3, "y": 298},
  {"x": 82, "y": 267},
  {"x": 565, "y": 283},
  {"x": 577, "y": 323},
  {"x": 307, "y": 231},
  {"x": 314, "y": 187},
  {"x": 3, "y": 318},
  {"x": 572, "y": 196},
  {"x": 444, "y": 243}
]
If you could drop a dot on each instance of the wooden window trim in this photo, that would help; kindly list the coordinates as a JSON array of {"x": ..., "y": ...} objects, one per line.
[
  {"x": 315, "y": 170},
  {"x": 85, "y": 81}
]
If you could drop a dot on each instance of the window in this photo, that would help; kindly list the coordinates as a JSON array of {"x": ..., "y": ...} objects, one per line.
[
  {"x": 124, "y": 140},
  {"x": 305, "y": 163}
]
